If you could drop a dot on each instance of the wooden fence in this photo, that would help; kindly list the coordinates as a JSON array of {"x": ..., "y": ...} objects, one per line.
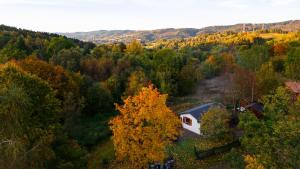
[{"x": 202, "y": 154}]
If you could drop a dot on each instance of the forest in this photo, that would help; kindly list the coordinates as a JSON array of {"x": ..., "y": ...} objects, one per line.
[{"x": 69, "y": 104}]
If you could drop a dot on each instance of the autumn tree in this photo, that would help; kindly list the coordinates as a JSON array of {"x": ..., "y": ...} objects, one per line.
[
  {"x": 210, "y": 66},
  {"x": 57, "y": 44},
  {"x": 254, "y": 57},
  {"x": 215, "y": 125},
  {"x": 244, "y": 85},
  {"x": 68, "y": 58},
  {"x": 252, "y": 163},
  {"x": 100, "y": 51},
  {"x": 11, "y": 51},
  {"x": 279, "y": 49},
  {"x": 91, "y": 67},
  {"x": 29, "y": 118},
  {"x": 274, "y": 140},
  {"x": 106, "y": 67},
  {"x": 228, "y": 62},
  {"x": 64, "y": 86},
  {"x": 188, "y": 78},
  {"x": 136, "y": 81},
  {"x": 134, "y": 48},
  {"x": 144, "y": 128},
  {"x": 56, "y": 76},
  {"x": 98, "y": 69},
  {"x": 98, "y": 100},
  {"x": 292, "y": 68},
  {"x": 117, "y": 50},
  {"x": 165, "y": 67},
  {"x": 278, "y": 63},
  {"x": 267, "y": 79},
  {"x": 114, "y": 86}
]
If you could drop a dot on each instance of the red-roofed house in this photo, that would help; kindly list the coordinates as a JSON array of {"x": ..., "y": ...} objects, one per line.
[{"x": 294, "y": 87}]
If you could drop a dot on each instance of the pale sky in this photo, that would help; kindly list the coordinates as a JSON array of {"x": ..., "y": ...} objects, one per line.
[{"x": 88, "y": 15}]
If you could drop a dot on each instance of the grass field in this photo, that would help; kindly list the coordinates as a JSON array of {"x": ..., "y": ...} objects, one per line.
[{"x": 184, "y": 155}]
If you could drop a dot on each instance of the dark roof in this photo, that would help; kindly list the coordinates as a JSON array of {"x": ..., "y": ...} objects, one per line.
[
  {"x": 199, "y": 110},
  {"x": 256, "y": 106}
]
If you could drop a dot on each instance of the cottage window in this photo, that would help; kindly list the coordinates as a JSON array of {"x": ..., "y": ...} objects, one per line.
[{"x": 187, "y": 121}]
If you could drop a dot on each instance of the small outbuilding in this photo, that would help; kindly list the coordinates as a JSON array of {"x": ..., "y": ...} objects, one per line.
[
  {"x": 256, "y": 108},
  {"x": 190, "y": 119},
  {"x": 294, "y": 87}
]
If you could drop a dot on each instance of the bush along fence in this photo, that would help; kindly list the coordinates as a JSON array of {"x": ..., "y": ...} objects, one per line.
[
  {"x": 202, "y": 154},
  {"x": 168, "y": 164}
]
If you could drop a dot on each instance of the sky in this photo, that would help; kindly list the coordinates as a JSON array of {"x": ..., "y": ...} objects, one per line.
[{"x": 88, "y": 15}]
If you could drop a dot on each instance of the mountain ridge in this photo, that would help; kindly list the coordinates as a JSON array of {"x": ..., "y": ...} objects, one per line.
[{"x": 112, "y": 36}]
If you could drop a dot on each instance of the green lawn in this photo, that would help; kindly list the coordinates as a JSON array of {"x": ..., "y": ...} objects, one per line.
[{"x": 185, "y": 158}]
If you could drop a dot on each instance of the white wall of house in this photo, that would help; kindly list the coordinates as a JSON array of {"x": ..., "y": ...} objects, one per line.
[{"x": 195, "y": 127}]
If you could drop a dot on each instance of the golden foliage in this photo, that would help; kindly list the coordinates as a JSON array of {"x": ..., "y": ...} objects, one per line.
[
  {"x": 211, "y": 60},
  {"x": 136, "y": 81},
  {"x": 134, "y": 48},
  {"x": 228, "y": 62},
  {"x": 144, "y": 128},
  {"x": 56, "y": 76},
  {"x": 252, "y": 163}
]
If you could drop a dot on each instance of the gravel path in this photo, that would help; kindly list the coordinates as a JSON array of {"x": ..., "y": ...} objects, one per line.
[{"x": 213, "y": 89}]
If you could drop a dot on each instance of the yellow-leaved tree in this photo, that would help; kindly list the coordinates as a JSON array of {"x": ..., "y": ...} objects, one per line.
[
  {"x": 144, "y": 128},
  {"x": 252, "y": 163}
]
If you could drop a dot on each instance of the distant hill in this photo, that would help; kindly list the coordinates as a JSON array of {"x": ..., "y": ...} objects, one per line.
[
  {"x": 106, "y": 36},
  {"x": 18, "y": 32},
  {"x": 110, "y": 36}
]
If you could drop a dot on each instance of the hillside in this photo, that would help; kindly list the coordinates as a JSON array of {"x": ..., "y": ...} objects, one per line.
[
  {"x": 58, "y": 96},
  {"x": 111, "y": 36},
  {"x": 8, "y": 32}
]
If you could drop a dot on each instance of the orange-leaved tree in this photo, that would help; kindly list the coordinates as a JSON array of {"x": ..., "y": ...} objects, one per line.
[{"x": 144, "y": 128}]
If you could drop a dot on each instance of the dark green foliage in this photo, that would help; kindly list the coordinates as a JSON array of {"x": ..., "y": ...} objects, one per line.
[
  {"x": 62, "y": 96},
  {"x": 18, "y": 43},
  {"x": 98, "y": 100},
  {"x": 29, "y": 118},
  {"x": 189, "y": 76},
  {"x": 57, "y": 44},
  {"x": 236, "y": 159},
  {"x": 274, "y": 140},
  {"x": 10, "y": 52},
  {"x": 68, "y": 58},
  {"x": 215, "y": 125},
  {"x": 267, "y": 79},
  {"x": 292, "y": 68},
  {"x": 4, "y": 38},
  {"x": 279, "y": 64},
  {"x": 89, "y": 130},
  {"x": 254, "y": 57},
  {"x": 68, "y": 154},
  {"x": 116, "y": 87},
  {"x": 166, "y": 66}
]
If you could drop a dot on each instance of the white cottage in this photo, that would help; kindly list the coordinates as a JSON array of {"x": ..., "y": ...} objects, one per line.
[{"x": 190, "y": 119}]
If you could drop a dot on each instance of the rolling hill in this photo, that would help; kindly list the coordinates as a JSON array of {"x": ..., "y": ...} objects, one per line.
[{"x": 111, "y": 36}]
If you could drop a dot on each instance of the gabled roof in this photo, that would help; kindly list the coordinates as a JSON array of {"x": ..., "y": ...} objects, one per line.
[
  {"x": 256, "y": 106},
  {"x": 293, "y": 86},
  {"x": 199, "y": 110}
]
